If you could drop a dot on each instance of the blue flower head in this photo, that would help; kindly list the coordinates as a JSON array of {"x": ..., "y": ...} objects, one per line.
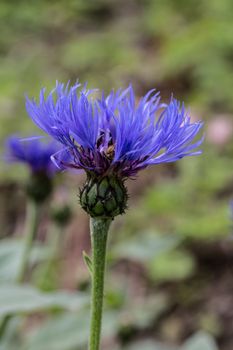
[
  {"x": 33, "y": 152},
  {"x": 114, "y": 135}
]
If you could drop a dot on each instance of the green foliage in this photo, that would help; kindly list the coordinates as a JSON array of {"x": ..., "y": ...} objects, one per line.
[
  {"x": 67, "y": 332},
  {"x": 191, "y": 199},
  {"x": 10, "y": 256},
  {"x": 147, "y": 345},
  {"x": 95, "y": 53},
  {"x": 144, "y": 247},
  {"x": 10, "y": 340},
  {"x": 200, "y": 340},
  {"x": 142, "y": 314},
  {"x": 196, "y": 47},
  {"x": 26, "y": 299},
  {"x": 174, "y": 265}
]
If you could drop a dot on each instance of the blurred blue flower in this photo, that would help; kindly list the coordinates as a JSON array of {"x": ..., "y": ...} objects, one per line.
[
  {"x": 33, "y": 152},
  {"x": 114, "y": 134}
]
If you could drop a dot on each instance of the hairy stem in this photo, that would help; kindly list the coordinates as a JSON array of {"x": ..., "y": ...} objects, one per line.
[{"x": 99, "y": 232}]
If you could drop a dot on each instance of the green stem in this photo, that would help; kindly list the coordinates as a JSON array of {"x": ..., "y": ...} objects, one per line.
[
  {"x": 54, "y": 243},
  {"x": 33, "y": 217},
  {"x": 4, "y": 324},
  {"x": 32, "y": 221},
  {"x": 99, "y": 233}
]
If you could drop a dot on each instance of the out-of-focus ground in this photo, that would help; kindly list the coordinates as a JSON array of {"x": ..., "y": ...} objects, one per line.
[{"x": 171, "y": 257}]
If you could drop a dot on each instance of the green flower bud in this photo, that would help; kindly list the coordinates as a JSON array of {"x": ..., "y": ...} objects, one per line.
[
  {"x": 61, "y": 215},
  {"x": 104, "y": 197},
  {"x": 39, "y": 187}
]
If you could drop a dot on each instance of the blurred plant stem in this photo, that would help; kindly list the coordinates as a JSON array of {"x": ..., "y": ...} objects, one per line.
[
  {"x": 32, "y": 221},
  {"x": 99, "y": 232},
  {"x": 55, "y": 242}
]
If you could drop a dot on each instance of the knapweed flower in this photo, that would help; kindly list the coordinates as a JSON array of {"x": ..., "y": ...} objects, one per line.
[
  {"x": 36, "y": 155},
  {"x": 33, "y": 152},
  {"x": 113, "y": 137}
]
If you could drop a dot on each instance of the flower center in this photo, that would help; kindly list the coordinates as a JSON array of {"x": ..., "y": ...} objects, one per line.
[
  {"x": 110, "y": 152},
  {"x": 105, "y": 145}
]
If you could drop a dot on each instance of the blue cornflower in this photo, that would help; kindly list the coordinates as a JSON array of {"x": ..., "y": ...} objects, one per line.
[
  {"x": 114, "y": 135},
  {"x": 33, "y": 152}
]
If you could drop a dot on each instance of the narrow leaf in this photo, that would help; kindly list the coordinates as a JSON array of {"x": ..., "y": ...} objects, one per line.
[{"x": 87, "y": 261}]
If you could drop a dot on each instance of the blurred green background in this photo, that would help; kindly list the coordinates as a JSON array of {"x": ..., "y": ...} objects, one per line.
[{"x": 170, "y": 277}]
